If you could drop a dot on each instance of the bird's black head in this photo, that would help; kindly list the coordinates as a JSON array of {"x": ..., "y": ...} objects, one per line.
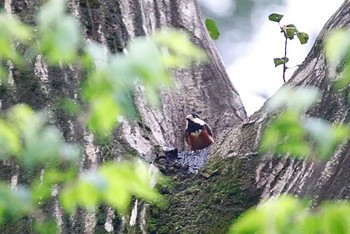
[
  {"x": 192, "y": 116},
  {"x": 195, "y": 115},
  {"x": 194, "y": 122}
]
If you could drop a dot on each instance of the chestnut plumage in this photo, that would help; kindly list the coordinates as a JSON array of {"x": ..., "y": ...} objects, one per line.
[{"x": 198, "y": 134}]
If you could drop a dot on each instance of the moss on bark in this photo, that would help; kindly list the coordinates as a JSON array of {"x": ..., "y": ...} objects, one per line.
[{"x": 207, "y": 202}]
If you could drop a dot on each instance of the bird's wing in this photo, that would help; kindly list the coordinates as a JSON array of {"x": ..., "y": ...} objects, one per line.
[
  {"x": 187, "y": 134},
  {"x": 208, "y": 129}
]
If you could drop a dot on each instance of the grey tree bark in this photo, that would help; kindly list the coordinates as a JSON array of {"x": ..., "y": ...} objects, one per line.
[{"x": 235, "y": 178}]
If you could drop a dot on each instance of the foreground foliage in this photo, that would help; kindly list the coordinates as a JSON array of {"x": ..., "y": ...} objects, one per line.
[
  {"x": 295, "y": 134},
  {"x": 29, "y": 142}
]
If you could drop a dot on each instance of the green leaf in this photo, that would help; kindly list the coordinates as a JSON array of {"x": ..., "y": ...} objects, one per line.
[
  {"x": 41, "y": 144},
  {"x": 344, "y": 79},
  {"x": 285, "y": 135},
  {"x": 14, "y": 203},
  {"x": 23, "y": 119},
  {"x": 212, "y": 28},
  {"x": 114, "y": 183},
  {"x": 41, "y": 189},
  {"x": 70, "y": 106},
  {"x": 103, "y": 114},
  {"x": 9, "y": 140},
  {"x": 42, "y": 147},
  {"x": 12, "y": 31},
  {"x": 177, "y": 49},
  {"x": 139, "y": 183},
  {"x": 280, "y": 61},
  {"x": 44, "y": 227},
  {"x": 4, "y": 77},
  {"x": 303, "y": 37},
  {"x": 98, "y": 53},
  {"x": 294, "y": 99},
  {"x": 334, "y": 217},
  {"x": 326, "y": 136},
  {"x": 275, "y": 17},
  {"x": 152, "y": 72},
  {"x": 15, "y": 28},
  {"x": 50, "y": 13},
  {"x": 86, "y": 192},
  {"x": 337, "y": 45},
  {"x": 276, "y": 215},
  {"x": 289, "y": 31},
  {"x": 60, "y": 42}
]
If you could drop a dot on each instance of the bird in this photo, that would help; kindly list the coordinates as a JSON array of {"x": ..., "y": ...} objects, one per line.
[{"x": 198, "y": 134}]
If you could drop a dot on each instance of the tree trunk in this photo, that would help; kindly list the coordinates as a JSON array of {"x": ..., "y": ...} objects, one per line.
[{"x": 235, "y": 177}]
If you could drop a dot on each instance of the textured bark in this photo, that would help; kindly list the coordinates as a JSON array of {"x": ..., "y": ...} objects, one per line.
[
  {"x": 316, "y": 180},
  {"x": 235, "y": 177},
  {"x": 203, "y": 88}
]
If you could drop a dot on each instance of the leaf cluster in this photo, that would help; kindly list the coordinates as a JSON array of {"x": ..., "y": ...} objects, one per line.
[
  {"x": 289, "y": 32},
  {"x": 291, "y": 215},
  {"x": 293, "y": 133},
  {"x": 107, "y": 94}
]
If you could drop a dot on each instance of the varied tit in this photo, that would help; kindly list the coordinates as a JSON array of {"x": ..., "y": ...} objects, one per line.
[{"x": 198, "y": 134}]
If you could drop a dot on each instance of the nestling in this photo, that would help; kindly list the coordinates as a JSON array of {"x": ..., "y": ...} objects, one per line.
[{"x": 198, "y": 134}]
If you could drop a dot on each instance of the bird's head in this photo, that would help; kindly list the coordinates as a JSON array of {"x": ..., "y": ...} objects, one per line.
[{"x": 194, "y": 118}]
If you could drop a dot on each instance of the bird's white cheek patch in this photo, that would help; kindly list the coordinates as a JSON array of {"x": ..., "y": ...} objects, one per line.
[
  {"x": 198, "y": 121},
  {"x": 196, "y": 133}
]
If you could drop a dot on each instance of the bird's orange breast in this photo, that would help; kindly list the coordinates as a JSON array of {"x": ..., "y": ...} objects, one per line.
[{"x": 200, "y": 141}]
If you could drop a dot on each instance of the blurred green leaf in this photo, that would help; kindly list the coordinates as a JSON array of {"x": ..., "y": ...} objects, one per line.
[
  {"x": 139, "y": 183},
  {"x": 98, "y": 53},
  {"x": 50, "y": 13},
  {"x": 59, "y": 35},
  {"x": 334, "y": 217},
  {"x": 152, "y": 71},
  {"x": 9, "y": 141},
  {"x": 275, "y": 17},
  {"x": 114, "y": 183},
  {"x": 212, "y": 28},
  {"x": 42, "y": 187},
  {"x": 12, "y": 31},
  {"x": 38, "y": 143},
  {"x": 103, "y": 115},
  {"x": 11, "y": 26},
  {"x": 326, "y": 136},
  {"x": 336, "y": 46},
  {"x": 280, "y": 61},
  {"x": 70, "y": 106},
  {"x": 45, "y": 227},
  {"x": 293, "y": 133},
  {"x": 285, "y": 135},
  {"x": 14, "y": 203},
  {"x": 276, "y": 215},
  {"x": 296, "y": 99},
  {"x": 4, "y": 76},
  {"x": 290, "y": 215},
  {"x": 24, "y": 120},
  {"x": 42, "y": 147},
  {"x": 60, "y": 42},
  {"x": 110, "y": 88},
  {"x": 344, "y": 79},
  {"x": 177, "y": 49},
  {"x": 303, "y": 37},
  {"x": 83, "y": 194}
]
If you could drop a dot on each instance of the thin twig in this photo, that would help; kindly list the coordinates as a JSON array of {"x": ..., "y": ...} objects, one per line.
[{"x": 285, "y": 58}]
